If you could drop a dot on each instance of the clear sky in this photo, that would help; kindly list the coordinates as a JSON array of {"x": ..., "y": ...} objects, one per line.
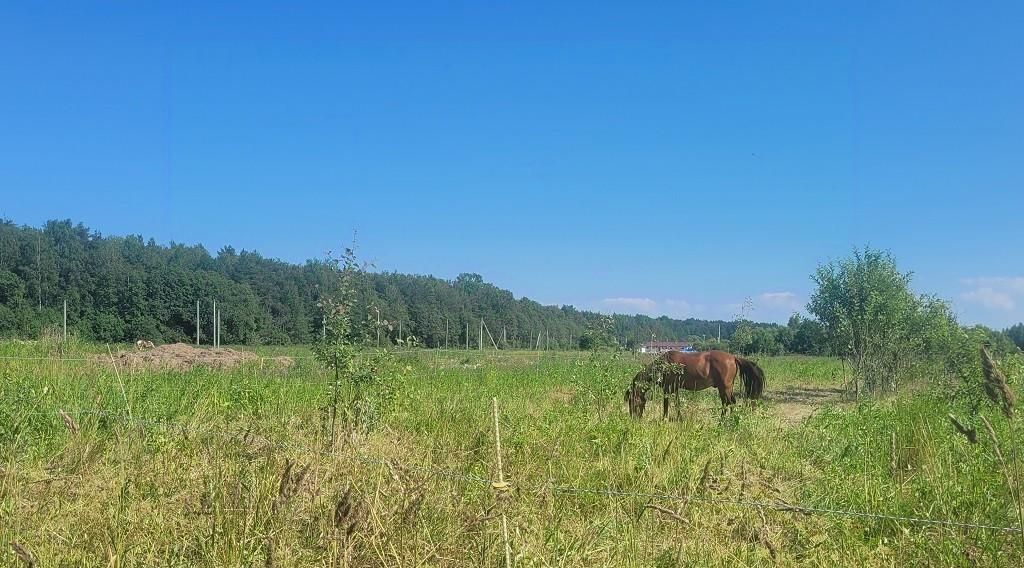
[{"x": 664, "y": 158}]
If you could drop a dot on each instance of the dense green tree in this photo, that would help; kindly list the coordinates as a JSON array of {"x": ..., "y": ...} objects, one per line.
[
  {"x": 743, "y": 340},
  {"x": 1016, "y": 334},
  {"x": 871, "y": 317},
  {"x": 805, "y": 336},
  {"x": 128, "y": 288},
  {"x": 599, "y": 334}
]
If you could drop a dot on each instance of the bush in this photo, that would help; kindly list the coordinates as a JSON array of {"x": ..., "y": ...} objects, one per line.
[{"x": 871, "y": 318}]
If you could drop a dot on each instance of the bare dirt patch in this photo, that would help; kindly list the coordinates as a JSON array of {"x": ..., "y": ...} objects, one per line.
[
  {"x": 182, "y": 357},
  {"x": 796, "y": 403}
]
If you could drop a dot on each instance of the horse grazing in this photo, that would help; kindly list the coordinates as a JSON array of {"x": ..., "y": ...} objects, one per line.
[{"x": 694, "y": 372}]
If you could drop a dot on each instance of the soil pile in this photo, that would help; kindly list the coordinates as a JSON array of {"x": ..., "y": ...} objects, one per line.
[{"x": 182, "y": 357}]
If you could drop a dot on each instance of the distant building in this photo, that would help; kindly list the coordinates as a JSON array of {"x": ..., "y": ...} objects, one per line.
[{"x": 663, "y": 346}]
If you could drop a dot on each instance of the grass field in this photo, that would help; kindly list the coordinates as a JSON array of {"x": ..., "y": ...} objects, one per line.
[{"x": 234, "y": 468}]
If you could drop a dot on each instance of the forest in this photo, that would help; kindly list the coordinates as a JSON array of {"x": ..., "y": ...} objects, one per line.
[{"x": 123, "y": 288}]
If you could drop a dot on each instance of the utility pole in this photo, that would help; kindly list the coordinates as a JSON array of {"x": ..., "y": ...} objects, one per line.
[
  {"x": 39, "y": 271},
  {"x": 481, "y": 344},
  {"x": 65, "y": 320},
  {"x": 214, "y": 342},
  {"x": 197, "y": 323},
  {"x": 445, "y": 334},
  {"x": 399, "y": 331},
  {"x": 719, "y": 333},
  {"x": 467, "y": 335}
]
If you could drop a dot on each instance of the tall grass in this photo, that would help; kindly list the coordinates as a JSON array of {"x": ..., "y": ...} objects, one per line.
[{"x": 208, "y": 472}]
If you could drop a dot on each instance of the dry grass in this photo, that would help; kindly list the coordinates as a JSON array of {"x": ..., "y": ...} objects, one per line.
[{"x": 232, "y": 468}]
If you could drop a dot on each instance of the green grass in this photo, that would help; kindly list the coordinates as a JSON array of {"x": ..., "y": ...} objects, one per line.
[{"x": 194, "y": 478}]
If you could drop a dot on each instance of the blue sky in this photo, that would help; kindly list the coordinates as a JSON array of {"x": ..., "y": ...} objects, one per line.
[{"x": 664, "y": 158}]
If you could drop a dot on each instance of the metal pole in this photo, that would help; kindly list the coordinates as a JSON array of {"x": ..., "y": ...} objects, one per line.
[
  {"x": 39, "y": 271},
  {"x": 197, "y": 323},
  {"x": 446, "y": 334},
  {"x": 481, "y": 344},
  {"x": 214, "y": 342}
]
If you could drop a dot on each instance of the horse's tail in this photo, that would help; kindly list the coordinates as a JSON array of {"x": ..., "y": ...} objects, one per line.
[{"x": 753, "y": 377}]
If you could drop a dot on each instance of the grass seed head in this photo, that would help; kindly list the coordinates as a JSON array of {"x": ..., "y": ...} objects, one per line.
[
  {"x": 23, "y": 554},
  {"x": 996, "y": 387},
  {"x": 346, "y": 518}
]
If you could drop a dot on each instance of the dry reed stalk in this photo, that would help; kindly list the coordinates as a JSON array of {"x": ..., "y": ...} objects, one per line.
[
  {"x": 668, "y": 512},
  {"x": 23, "y": 554},
  {"x": 290, "y": 483},
  {"x": 346, "y": 520},
  {"x": 999, "y": 392},
  {"x": 69, "y": 423},
  {"x": 287, "y": 488},
  {"x": 1014, "y": 489},
  {"x": 763, "y": 535},
  {"x": 970, "y": 433}
]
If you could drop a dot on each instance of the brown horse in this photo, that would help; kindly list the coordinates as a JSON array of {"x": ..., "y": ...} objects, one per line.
[{"x": 694, "y": 372}]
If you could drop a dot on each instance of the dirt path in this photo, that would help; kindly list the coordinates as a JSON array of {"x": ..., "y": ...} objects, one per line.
[{"x": 796, "y": 403}]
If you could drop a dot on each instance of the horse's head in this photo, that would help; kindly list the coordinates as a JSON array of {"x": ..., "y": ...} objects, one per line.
[{"x": 636, "y": 398}]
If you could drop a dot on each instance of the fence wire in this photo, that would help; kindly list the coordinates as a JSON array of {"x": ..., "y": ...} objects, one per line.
[{"x": 101, "y": 359}]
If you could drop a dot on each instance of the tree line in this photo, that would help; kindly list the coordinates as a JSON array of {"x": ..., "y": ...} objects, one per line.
[
  {"x": 126, "y": 288},
  {"x": 121, "y": 289}
]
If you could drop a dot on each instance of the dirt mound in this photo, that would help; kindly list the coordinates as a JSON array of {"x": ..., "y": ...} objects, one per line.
[{"x": 182, "y": 357}]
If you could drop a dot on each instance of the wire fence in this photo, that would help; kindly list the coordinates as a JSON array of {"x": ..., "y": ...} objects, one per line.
[
  {"x": 550, "y": 485},
  {"x": 101, "y": 358},
  {"x": 411, "y": 353}
]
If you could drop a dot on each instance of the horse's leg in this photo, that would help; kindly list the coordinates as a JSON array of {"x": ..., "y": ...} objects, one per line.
[
  {"x": 679, "y": 409},
  {"x": 725, "y": 393},
  {"x": 664, "y": 407}
]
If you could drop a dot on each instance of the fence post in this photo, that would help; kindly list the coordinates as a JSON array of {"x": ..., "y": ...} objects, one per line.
[{"x": 501, "y": 486}]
